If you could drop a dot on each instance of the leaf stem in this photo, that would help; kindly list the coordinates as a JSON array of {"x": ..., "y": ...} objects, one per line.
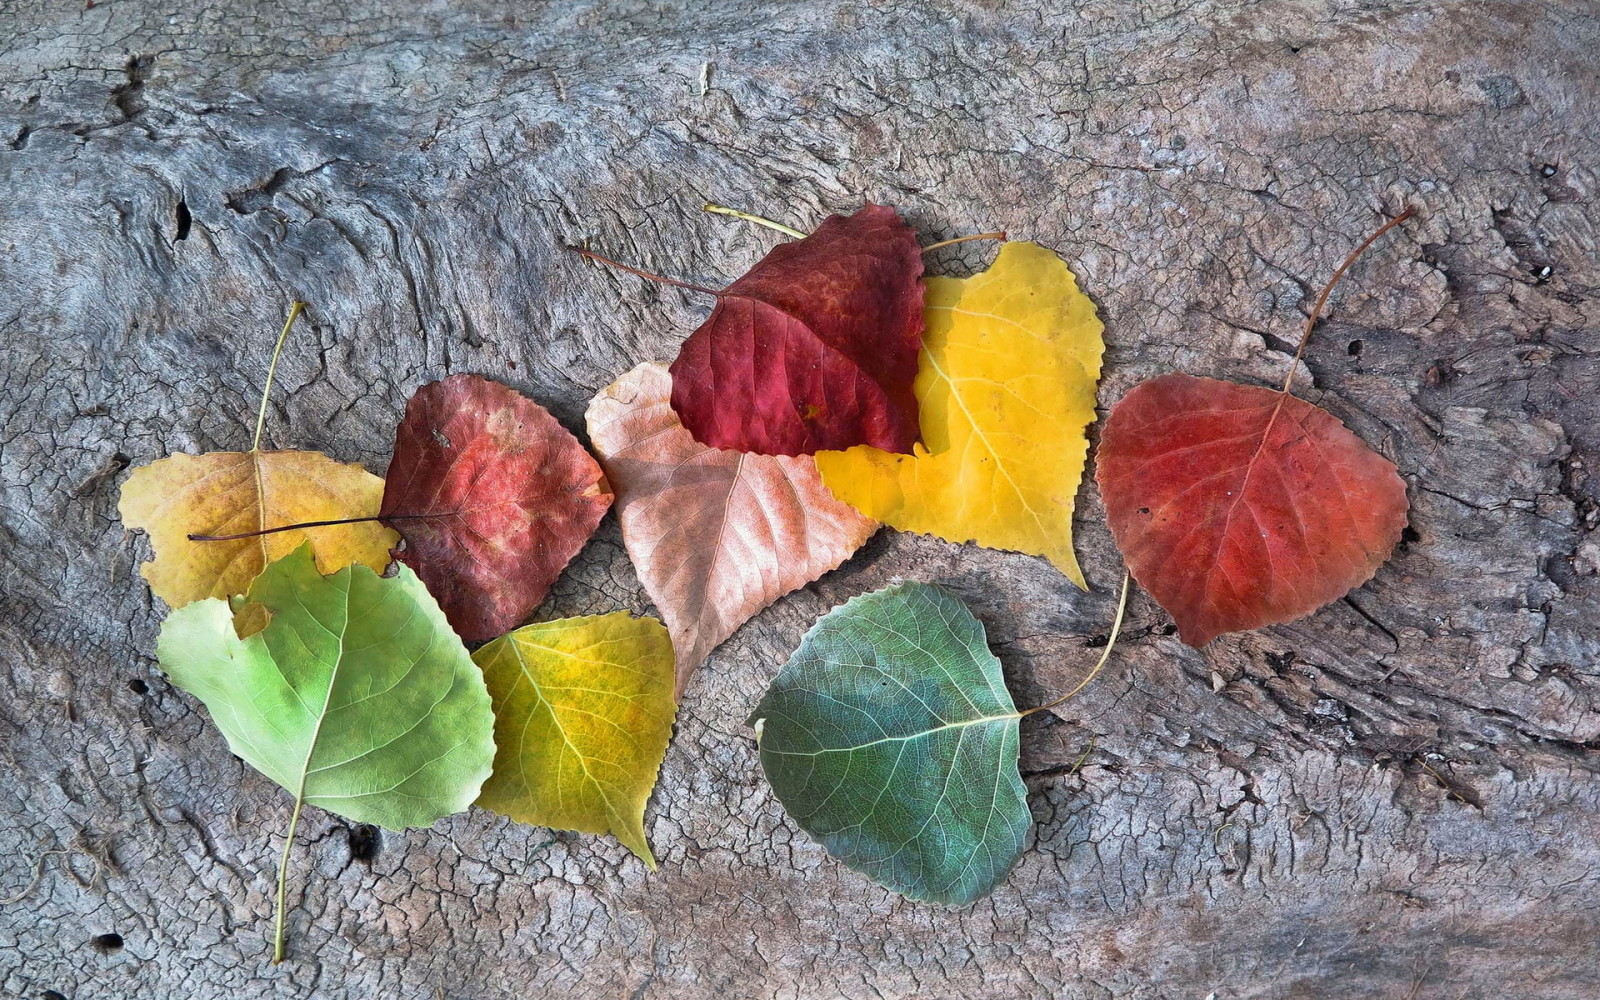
[
  {"x": 1111, "y": 643},
  {"x": 797, "y": 234},
  {"x": 1322, "y": 299},
  {"x": 1001, "y": 236},
  {"x": 310, "y": 524},
  {"x": 1078, "y": 765},
  {"x": 650, "y": 275},
  {"x": 758, "y": 220},
  {"x": 295, "y": 309},
  {"x": 283, "y": 878}
]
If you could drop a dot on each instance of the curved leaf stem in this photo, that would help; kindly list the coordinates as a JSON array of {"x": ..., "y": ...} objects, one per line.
[
  {"x": 797, "y": 234},
  {"x": 758, "y": 220},
  {"x": 283, "y": 878},
  {"x": 1078, "y": 764},
  {"x": 295, "y": 309},
  {"x": 650, "y": 275},
  {"x": 1322, "y": 299},
  {"x": 1111, "y": 643},
  {"x": 284, "y": 527},
  {"x": 310, "y": 524},
  {"x": 1001, "y": 236}
]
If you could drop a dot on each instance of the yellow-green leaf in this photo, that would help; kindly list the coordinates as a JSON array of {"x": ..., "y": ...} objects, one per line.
[
  {"x": 232, "y": 492},
  {"x": 583, "y": 711},
  {"x": 1006, "y": 385}
]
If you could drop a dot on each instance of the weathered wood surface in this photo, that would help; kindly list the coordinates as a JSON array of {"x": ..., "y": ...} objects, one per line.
[{"x": 1393, "y": 798}]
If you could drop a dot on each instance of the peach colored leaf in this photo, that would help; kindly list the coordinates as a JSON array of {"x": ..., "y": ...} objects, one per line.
[{"x": 715, "y": 535}]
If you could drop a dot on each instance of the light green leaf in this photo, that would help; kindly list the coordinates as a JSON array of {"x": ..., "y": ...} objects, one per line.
[
  {"x": 890, "y": 737},
  {"x": 356, "y": 697}
]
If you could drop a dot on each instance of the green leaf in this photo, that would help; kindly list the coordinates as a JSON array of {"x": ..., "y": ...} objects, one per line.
[
  {"x": 356, "y": 696},
  {"x": 891, "y": 738}
]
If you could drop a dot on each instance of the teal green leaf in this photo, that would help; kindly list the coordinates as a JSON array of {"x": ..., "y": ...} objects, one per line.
[
  {"x": 890, "y": 737},
  {"x": 356, "y": 697}
]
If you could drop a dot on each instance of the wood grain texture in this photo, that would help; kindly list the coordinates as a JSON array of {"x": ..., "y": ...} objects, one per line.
[{"x": 1393, "y": 797}]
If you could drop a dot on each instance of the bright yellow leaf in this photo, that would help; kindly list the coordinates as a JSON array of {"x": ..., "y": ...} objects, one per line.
[
  {"x": 232, "y": 492},
  {"x": 583, "y": 711},
  {"x": 1005, "y": 385}
]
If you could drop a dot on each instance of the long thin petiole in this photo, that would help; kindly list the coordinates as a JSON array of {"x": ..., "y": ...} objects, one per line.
[
  {"x": 1078, "y": 764},
  {"x": 1322, "y": 299},
  {"x": 650, "y": 275},
  {"x": 285, "y": 527},
  {"x": 797, "y": 234},
  {"x": 312, "y": 524},
  {"x": 1111, "y": 643},
  {"x": 283, "y": 879},
  {"x": 758, "y": 220},
  {"x": 295, "y": 309},
  {"x": 1001, "y": 236}
]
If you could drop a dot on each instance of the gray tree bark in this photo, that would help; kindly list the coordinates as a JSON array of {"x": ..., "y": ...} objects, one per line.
[{"x": 1395, "y": 797}]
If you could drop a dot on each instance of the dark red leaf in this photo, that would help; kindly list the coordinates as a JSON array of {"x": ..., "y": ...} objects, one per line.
[
  {"x": 493, "y": 498},
  {"x": 1237, "y": 506},
  {"x": 815, "y": 348}
]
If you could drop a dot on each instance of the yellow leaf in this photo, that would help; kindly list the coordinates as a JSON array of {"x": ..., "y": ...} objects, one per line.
[
  {"x": 583, "y": 711},
  {"x": 231, "y": 492},
  {"x": 1005, "y": 386}
]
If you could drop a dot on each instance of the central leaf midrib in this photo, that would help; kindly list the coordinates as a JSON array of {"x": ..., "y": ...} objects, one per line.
[
  {"x": 897, "y": 739},
  {"x": 977, "y": 430},
  {"x": 327, "y": 697},
  {"x": 805, "y": 325},
  {"x": 259, "y": 475},
  {"x": 612, "y": 813}
]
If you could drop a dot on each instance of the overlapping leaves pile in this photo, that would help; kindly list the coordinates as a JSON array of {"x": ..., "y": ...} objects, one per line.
[{"x": 831, "y": 388}]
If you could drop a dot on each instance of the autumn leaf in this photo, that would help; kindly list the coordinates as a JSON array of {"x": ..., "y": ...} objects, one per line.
[
  {"x": 233, "y": 493},
  {"x": 1006, "y": 385},
  {"x": 583, "y": 713},
  {"x": 226, "y": 492},
  {"x": 890, "y": 737},
  {"x": 1238, "y": 506},
  {"x": 715, "y": 535},
  {"x": 814, "y": 348},
  {"x": 356, "y": 697},
  {"x": 493, "y": 497}
]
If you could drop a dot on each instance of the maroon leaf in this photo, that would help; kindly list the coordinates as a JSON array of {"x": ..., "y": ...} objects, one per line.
[
  {"x": 1237, "y": 506},
  {"x": 493, "y": 498},
  {"x": 815, "y": 348}
]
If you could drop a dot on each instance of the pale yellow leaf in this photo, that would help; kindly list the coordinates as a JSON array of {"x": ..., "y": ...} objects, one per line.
[{"x": 583, "y": 712}]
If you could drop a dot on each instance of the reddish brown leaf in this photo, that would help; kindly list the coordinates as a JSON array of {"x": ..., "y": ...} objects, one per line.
[
  {"x": 1237, "y": 506},
  {"x": 493, "y": 498},
  {"x": 715, "y": 535},
  {"x": 815, "y": 348}
]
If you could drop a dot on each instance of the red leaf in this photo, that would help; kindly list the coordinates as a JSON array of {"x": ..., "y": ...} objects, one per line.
[
  {"x": 815, "y": 348},
  {"x": 493, "y": 498},
  {"x": 1237, "y": 506}
]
